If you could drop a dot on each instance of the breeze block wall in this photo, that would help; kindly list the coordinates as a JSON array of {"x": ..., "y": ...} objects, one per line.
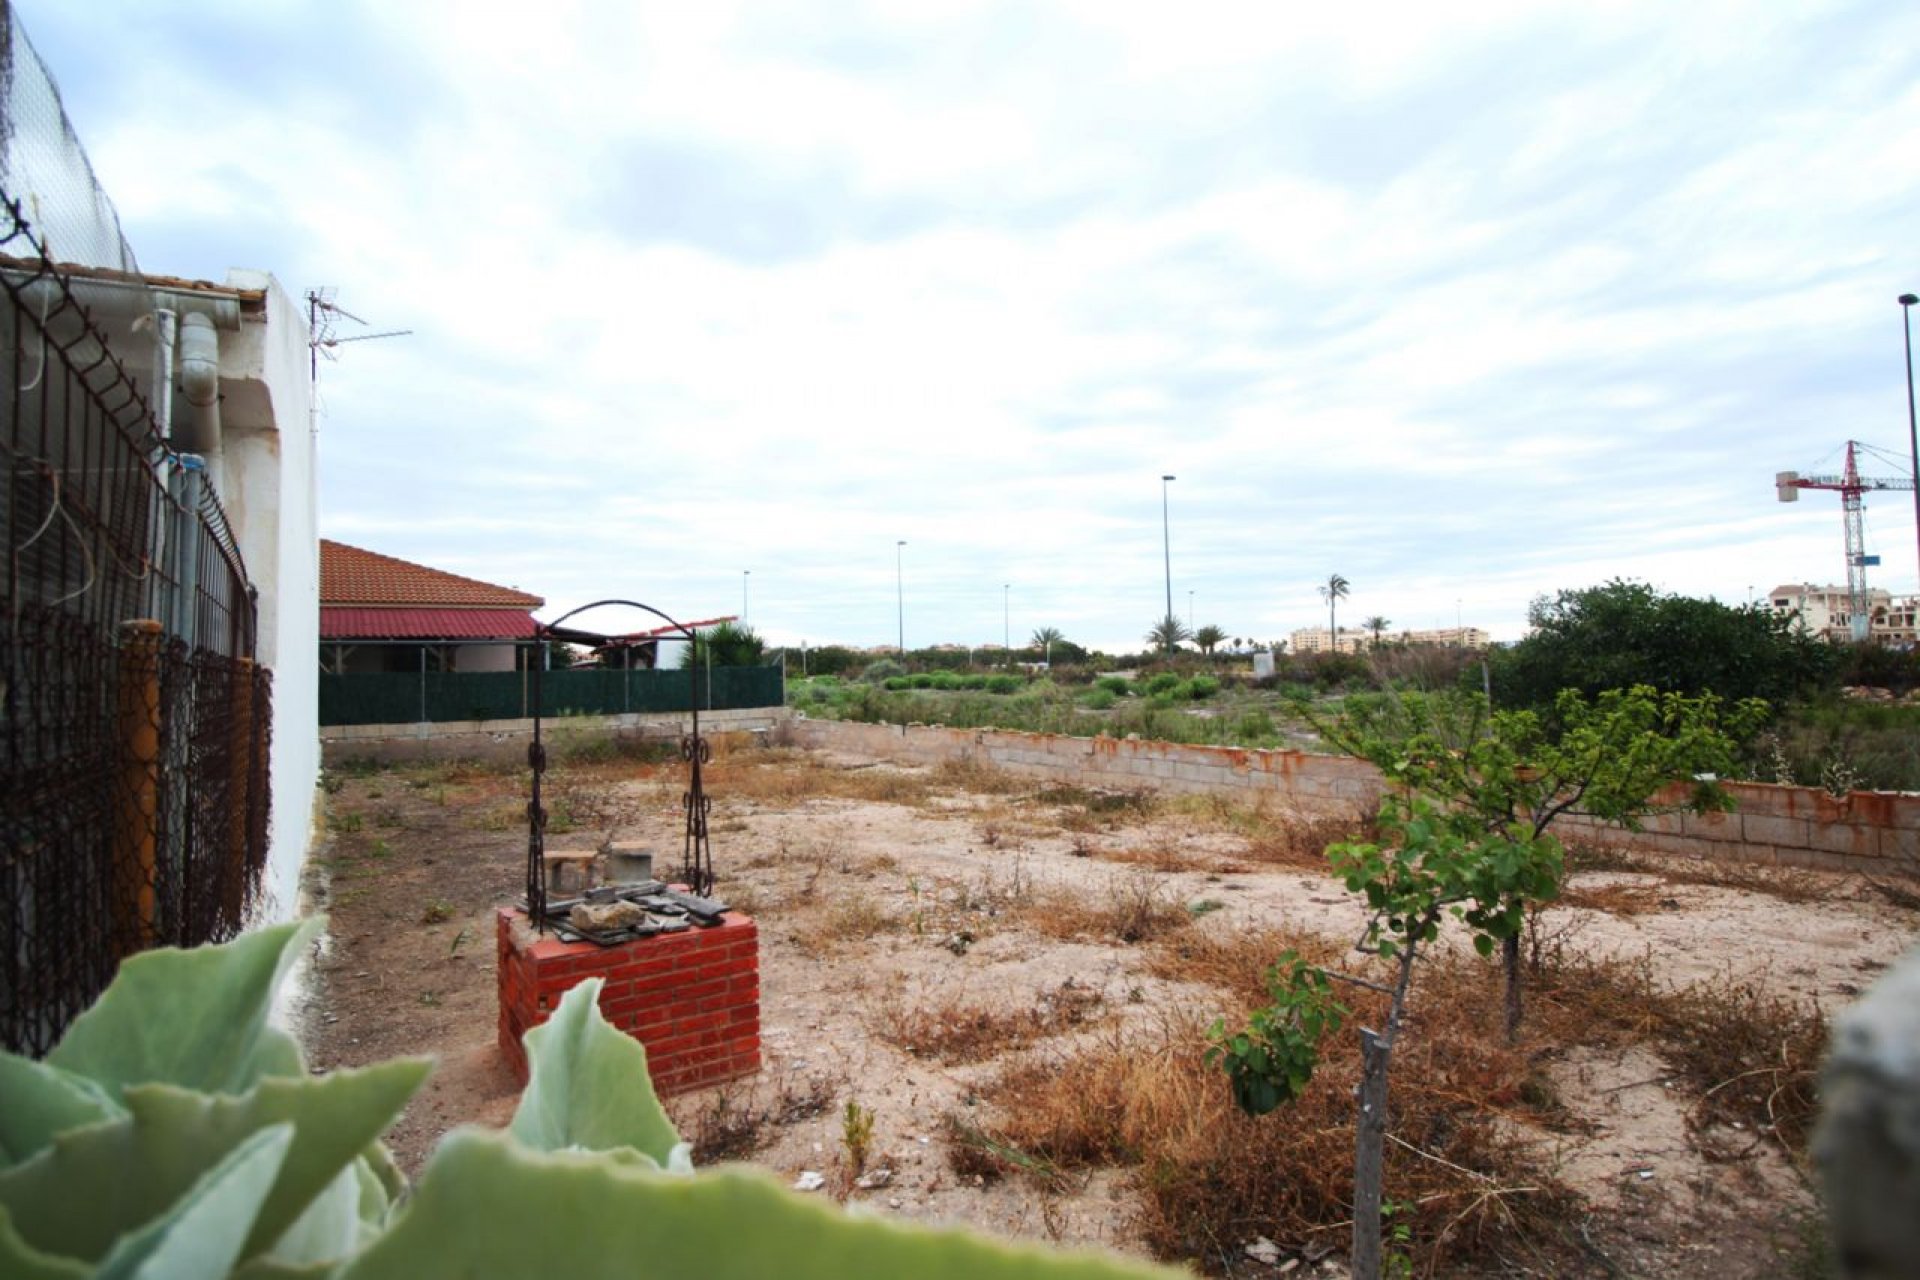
[
  {"x": 1864, "y": 832},
  {"x": 692, "y": 998}
]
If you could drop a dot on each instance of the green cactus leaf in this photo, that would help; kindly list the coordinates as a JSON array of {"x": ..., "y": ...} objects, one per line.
[
  {"x": 41, "y": 1101},
  {"x": 197, "y": 1018},
  {"x": 488, "y": 1206},
  {"x": 588, "y": 1089},
  {"x": 21, "y": 1261},
  {"x": 94, "y": 1185},
  {"x": 202, "y": 1233}
]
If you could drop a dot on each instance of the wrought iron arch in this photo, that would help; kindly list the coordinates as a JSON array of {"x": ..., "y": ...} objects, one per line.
[{"x": 696, "y": 869}]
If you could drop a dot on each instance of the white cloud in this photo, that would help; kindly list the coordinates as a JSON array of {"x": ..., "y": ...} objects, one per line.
[{"x": 1468, "y": 311}]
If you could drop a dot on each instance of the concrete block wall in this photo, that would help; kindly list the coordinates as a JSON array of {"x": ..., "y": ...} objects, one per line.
[
  {"x": 1871, "y": 832},
  {"x": 692, "y": 998}
]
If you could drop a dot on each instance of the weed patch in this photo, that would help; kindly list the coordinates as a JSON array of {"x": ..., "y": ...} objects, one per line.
[{"x": 954, "y": 1030}]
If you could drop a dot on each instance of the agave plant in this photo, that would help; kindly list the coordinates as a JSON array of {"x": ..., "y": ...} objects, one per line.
[{"x": 175, "y": 1134}]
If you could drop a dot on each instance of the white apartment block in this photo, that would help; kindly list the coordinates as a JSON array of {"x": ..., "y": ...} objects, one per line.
[
  {"x": 1317, "y": 640},
  {"x": 1823, "y": 612}
]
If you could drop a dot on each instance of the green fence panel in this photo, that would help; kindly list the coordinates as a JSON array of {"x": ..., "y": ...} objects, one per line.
[{"x": 408, "y": 698}]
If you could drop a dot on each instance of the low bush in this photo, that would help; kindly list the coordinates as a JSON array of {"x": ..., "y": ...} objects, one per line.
[
  {"x": 1098, "y": 699},
  {"x": 1119, "y": 686},
  {"x": 1203, "y": 686},
  {"x": 1004, "y": 684}
]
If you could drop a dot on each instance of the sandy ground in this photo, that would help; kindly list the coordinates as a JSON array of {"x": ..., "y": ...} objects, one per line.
[{"x": 872, "y": 910}]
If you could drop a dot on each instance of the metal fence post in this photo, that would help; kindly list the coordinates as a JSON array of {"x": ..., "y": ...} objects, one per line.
[{"x": 137, "y": 803}]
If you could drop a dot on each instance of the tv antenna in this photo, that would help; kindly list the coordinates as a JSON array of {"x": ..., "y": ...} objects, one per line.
[{"x": 323, "y": 317}]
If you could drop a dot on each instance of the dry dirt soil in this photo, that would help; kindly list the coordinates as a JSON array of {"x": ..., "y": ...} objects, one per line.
[{"x": 1015, "y": 982}]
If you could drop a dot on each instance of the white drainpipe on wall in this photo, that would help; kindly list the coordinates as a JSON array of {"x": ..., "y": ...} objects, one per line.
[{"x": 200, "y": 385}]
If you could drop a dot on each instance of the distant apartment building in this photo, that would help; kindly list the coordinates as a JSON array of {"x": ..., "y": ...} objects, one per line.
[
  {"x": 1823, "y": 611},
  {"x": 1317, "y": 639}
]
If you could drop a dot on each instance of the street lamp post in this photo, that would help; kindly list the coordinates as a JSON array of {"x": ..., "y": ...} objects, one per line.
[
  {"x": 1913, "y": 434},
  {"x": 746, "y": 614},
  {"x": 1166, "y": 542},
  {"x": 900, "y": 596}
]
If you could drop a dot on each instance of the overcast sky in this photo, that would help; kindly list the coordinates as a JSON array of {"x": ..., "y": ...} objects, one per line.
[{"x": 1466, "y": 311}]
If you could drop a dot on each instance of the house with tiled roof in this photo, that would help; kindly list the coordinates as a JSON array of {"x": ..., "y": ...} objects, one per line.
[{"x": 379, "y": 613}]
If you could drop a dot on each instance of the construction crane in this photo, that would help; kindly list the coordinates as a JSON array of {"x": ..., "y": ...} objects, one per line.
[{"x": 1851, "y": 485}]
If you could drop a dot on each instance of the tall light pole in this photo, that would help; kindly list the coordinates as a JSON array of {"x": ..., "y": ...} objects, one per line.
[
  {"x": 1166, "y": 542},
  {"x": 746, "y": 614},
  {"x": 1913, "y": 435},
  {"x": 1006, "y": 621},
  {"x": 900, "y": 596}
]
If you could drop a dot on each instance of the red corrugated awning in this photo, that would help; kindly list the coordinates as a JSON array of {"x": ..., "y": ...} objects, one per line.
[{"x": 425, "y": 624}]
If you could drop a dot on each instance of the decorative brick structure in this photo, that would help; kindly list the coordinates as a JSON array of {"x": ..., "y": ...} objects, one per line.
[{"x": 692, "y": 998}]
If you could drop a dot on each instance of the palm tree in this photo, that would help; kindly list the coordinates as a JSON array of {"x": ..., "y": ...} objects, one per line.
[
  {"x": 1208, "y": 637},
  {"x": 725, "y": 645},
  {"x": 1376, "y": 624},
  {"x": 1044, "y": 638},
  {"x": 1168, "y": 633},
  {"x": 1333, "y": 590}
]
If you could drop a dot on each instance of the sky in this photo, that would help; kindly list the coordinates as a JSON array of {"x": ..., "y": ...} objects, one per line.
[{"x": 713, "y": 306}]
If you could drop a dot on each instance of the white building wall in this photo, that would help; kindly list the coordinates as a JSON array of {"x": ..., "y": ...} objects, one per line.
[
  {"x": 483, "y": 657},
  {"x": 270, "y": 501}
]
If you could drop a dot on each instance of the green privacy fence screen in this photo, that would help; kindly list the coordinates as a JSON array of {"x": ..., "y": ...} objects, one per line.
[{"x": 507, "y": 695}]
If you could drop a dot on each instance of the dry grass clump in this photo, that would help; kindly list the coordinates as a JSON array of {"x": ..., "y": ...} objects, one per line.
[
  {"x": 954, "y": 1030},
  {"x": 1616, "y": 898},
  {"x": 1236, "y": 961},
  {"x": 733, "y": 1122},
  {"x": 1160, "y": 855},
  {"x": 1752, "y": 1056},
  {"x": 1089, "y": 809},
  {"x": 1274, "y": 833},
  {"x": 1788, "y": 884},
  {"x": 1212, "y": 1178},
  {"x": 787, "y": 776},
  {"x": 1133, "y": 906},
  {"x": 974, "y": 778},
  {"x": 848, "y": 918}
]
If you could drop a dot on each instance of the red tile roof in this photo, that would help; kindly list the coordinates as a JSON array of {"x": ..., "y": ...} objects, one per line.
[
  {"x": 425, "y": 624},
  {"x": 351, "y": 576}
]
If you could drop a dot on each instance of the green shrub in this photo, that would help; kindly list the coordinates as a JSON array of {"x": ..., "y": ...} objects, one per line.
[
  {"x": 1165, "y": 682},
  {"x": 973, "y": 680},
  {"x": 896, "y": 683},
  {"x": 921, "y": 680},
  {"x": 1099, "y": 699},
  {"x": 942, "y": 680},
  {"x": 1004, "y": 684},
  {"x": 1118, "y": 686},
  {"x": 880, "y": 672},
  {"x": 1203, "y": 686}
]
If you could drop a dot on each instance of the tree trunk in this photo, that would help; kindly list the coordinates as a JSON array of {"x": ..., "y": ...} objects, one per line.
[
  {"x": 1516, "y": 996},
  {"x": 1370, "y": 1140}
]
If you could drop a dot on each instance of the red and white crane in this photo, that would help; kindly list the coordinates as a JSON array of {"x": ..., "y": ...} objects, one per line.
[{"x": 1851, "y": 485}]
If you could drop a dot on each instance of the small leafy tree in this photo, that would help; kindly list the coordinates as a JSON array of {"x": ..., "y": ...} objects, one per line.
[
  {"x": 1168, "y": 633},
  {"x": 1209, "y": 638},
  {"x": 1433, "y": 866},
  {"x": 1505, "y": 777}
]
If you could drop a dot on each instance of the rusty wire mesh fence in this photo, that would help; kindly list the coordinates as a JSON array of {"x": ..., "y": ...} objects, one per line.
[{"x": 133, "y": 720}]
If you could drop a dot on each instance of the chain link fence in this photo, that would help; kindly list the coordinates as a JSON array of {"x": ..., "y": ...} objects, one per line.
[{"x": 133, "y": 719}]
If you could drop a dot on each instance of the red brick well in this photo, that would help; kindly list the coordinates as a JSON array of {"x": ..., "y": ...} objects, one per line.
[{"x": 692, "y": 998}]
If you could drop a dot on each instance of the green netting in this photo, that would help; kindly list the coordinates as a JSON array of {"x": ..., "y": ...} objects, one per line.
[{"x": 439, "y": 697}]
